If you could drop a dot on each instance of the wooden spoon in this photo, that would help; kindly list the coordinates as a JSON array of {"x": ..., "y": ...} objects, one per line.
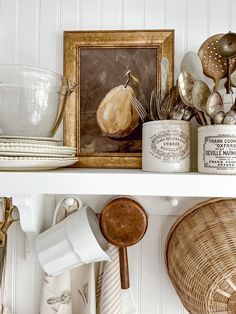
[{"x": 123, "y": 223}]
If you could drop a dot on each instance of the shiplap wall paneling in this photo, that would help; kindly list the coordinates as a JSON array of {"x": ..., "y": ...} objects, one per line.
[
  {"x": 69, "y": 12},
  {"x": 70, "y": 17},
  {"x": 197, "y": 24},
  {"x": 112, "y": 14},
  {"x": 49, "y": 34},
  {"x": 24, "y": 278},
  {"x": 27, "y": 32},
  {"x": 134, "y": 14},
  {"x": 232, "y": 17},
  {"x": 219, "y": 16},
  {"x": 90, "y": 14},
  {"x": 155, "y": 14},
  {"x": 151, "y": 263},
  {"x": 9, "y": 28},
  {"x": 178, "y": 22}
]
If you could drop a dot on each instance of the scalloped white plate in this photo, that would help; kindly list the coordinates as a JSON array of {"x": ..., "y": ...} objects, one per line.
[
  {"x": 26, "y": 149},
  {"x": 34, "y": 163},
  {"x": 32, "y": 140},
  {"x": 33, "y": 154}
]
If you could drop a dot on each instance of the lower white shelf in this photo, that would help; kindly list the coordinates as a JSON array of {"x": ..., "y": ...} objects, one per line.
[{"x": 117, "y": 182}]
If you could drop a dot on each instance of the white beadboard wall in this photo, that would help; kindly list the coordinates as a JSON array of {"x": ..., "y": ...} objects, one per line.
[{"x": 31, "y": 33}]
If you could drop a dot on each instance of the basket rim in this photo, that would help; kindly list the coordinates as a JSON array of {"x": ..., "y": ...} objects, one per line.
[{"x": 188, "y": 212}]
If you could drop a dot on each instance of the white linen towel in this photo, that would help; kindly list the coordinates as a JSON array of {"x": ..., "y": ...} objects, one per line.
[
  {"x": 72, "y": 292},
  {"x": 128, "y": 302},
  {"x": 83, "y": 283},
  {"x": 113, "y": 299},
  {"x": 56, "y": 294},
  {"x": 110, "y": 298}
]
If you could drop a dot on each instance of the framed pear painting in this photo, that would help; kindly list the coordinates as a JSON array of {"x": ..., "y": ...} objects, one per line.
[{"x": 116, "y": 71}]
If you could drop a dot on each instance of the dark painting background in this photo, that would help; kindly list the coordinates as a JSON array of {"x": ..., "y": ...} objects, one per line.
[{"x": 101, "y": 70}]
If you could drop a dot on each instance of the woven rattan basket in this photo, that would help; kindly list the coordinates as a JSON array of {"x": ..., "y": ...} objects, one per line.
[{"x": 201, "y": 257}]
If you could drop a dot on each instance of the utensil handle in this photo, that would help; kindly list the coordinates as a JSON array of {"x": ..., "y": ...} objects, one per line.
[
  {"x": 124, "y": 268},
  {"x": 216, "y": 87},
  {"x": 228, "y": 81}
]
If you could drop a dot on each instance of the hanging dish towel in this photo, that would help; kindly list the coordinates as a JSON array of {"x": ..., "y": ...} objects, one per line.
[
  {"x": 83, "y": 283},
  {"x": 72, "y": 292},
  {"x": 128, "y": 302},
  {"x": 56, "y": 294},
  {"x": 111, "y": 298}
]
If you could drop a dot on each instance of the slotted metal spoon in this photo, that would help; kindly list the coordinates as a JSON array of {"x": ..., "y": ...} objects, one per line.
[{"x": 214, "y": 65}]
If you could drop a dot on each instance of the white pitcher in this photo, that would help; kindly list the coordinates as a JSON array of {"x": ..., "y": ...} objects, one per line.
[{"x": 75, "y": 241}]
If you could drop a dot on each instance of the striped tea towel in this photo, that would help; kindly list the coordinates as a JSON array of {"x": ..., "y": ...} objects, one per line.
[{"x": 110, "y": 298}]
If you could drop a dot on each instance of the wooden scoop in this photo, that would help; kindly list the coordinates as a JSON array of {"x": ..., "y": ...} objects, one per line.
[{"x": 123, "y": 223}]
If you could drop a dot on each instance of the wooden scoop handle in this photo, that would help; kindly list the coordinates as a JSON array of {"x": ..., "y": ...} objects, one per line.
[{"x": 124, "y": 268}]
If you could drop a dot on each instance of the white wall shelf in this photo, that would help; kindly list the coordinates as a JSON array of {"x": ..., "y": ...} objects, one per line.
[{"x": 117, "y": 182}]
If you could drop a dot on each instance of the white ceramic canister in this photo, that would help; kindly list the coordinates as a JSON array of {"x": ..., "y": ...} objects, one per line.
[
  {"x": 217, "y": 149},
  {"x": 166, "y": 146}
]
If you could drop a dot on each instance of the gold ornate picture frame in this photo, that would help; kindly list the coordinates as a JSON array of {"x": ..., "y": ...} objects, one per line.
[{"x": 98, "y": 62}]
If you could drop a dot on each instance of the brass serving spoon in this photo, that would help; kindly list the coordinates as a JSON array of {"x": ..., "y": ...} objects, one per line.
[
  {"x": 214, "y": 104},
  {"x": 227, "y": 49},
  {"x": 219, "y": 117},
  {"x": 227, "y": 45},
  {"x": 230, "y": 117},
  {"x": 185, "y": 85},
  {"x": 200, "y": 94}
]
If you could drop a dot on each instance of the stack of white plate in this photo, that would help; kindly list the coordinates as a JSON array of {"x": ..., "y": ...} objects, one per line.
[{"x": 34, "y": 153}]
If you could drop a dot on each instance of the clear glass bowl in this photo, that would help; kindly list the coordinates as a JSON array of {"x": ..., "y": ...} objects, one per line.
[{"x": 32, "y": 100}]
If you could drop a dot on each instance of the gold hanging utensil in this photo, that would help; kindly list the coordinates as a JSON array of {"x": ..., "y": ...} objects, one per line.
[{"x": 4, "y": 226}]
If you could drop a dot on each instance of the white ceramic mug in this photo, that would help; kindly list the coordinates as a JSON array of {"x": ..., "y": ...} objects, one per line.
[{"x": 75, "y": 241}]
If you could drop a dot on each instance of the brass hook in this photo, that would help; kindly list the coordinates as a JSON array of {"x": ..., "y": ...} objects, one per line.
[{"x": 8, "y": 220}]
